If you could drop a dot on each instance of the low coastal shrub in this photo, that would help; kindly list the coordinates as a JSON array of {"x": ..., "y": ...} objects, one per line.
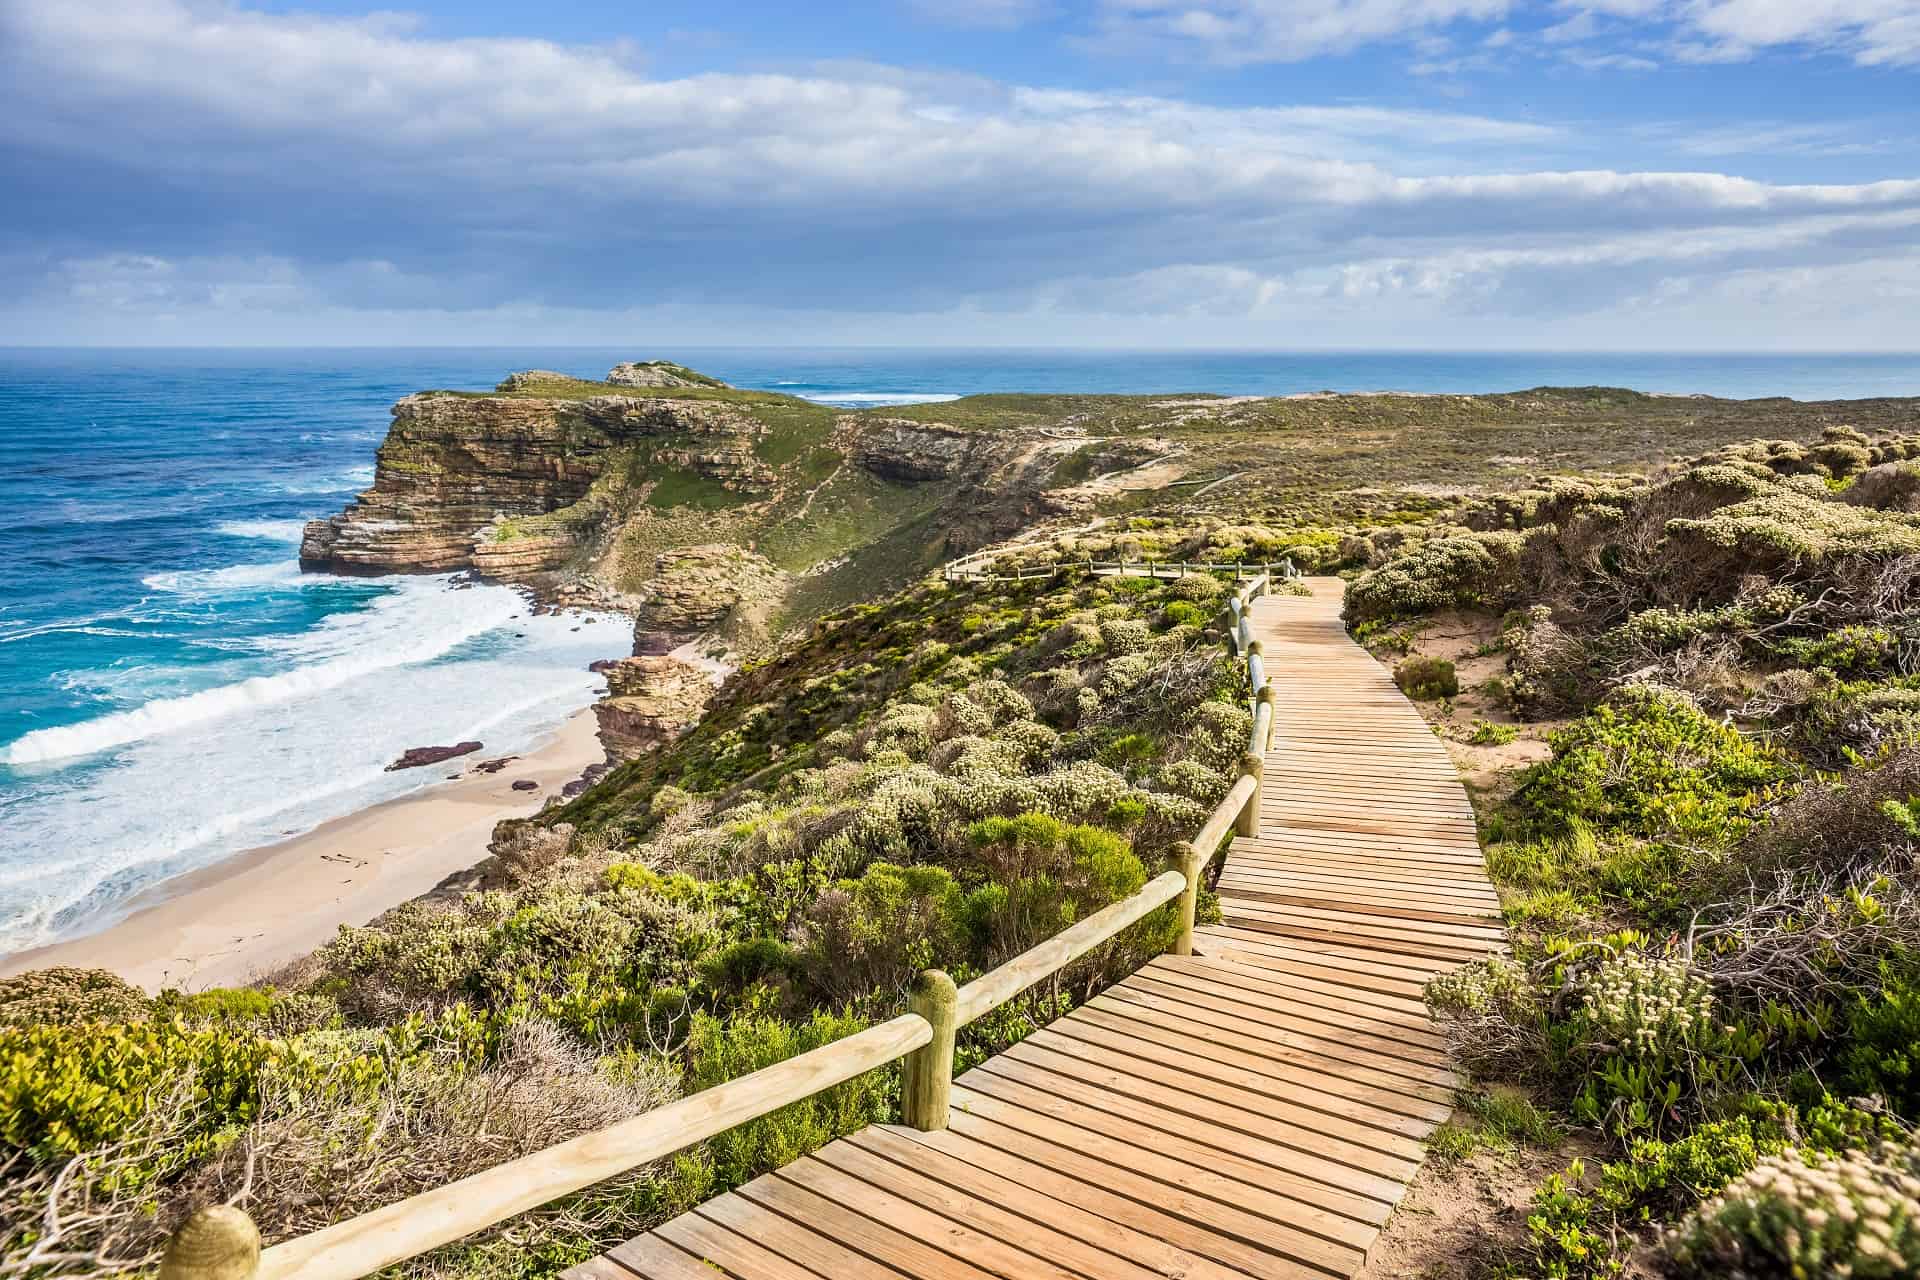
[
  {"x": 1809, "y": 1214},
  {"x": 1427, "y": 678}
]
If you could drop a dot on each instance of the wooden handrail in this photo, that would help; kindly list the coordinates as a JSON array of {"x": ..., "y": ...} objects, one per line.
[
  {"x": 362, "y": 1245},
  {"x": 220, "y": 1242},
  {"x": 997, "y": 986}
]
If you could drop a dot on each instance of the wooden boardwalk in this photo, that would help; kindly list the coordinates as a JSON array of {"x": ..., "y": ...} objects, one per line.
[{"x": 1254, "y": 1110}]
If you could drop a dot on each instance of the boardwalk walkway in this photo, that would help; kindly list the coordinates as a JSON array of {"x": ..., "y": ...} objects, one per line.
[{"x": 1255, "y": 1110}]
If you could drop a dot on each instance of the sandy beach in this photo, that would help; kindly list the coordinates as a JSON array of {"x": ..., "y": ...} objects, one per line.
[{"x": 250, "y": 914}]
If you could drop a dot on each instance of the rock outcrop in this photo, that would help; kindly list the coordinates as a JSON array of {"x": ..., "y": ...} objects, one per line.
[
  {"x": 649, "y": 701},
  {"x": 700, "y": 588},
  {"x": 511, "y": 484},
  {"x": 914, "y": 452},
  {"x": 420, "y": 757},
  {"x": 658, "y": 373}
]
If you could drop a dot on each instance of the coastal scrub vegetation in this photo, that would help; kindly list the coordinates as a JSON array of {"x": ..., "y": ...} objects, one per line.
[
  {"x": 943, "y": 778},
  {"x": 1711, "y": 875}
]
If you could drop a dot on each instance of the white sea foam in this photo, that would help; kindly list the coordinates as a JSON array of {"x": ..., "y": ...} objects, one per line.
[
  {"x": 239, "y": 577},
  {"x": 265, "y": 530},
  {"x": 339, "y": 482},
  {"x": 190, "y": 780},
  {"x": 880, "y": 397},
  {"x": 348, "y": 651}
]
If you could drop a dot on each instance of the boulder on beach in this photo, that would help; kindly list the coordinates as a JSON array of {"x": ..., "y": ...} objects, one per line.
[
  {"x": 418, "y": 757},
  {"x": 526, "y": 784}
]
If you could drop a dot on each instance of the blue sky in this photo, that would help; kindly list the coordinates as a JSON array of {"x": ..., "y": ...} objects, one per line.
[{"x": 1631, "y": 174}]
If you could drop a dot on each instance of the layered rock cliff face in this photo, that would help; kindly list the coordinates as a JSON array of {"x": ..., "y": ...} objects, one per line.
[
  {"x": 650, "y": 700},
  {"x": 514, "y": 483}
]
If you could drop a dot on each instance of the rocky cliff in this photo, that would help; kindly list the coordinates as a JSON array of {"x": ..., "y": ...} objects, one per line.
[{"x": 517, "y": 481}]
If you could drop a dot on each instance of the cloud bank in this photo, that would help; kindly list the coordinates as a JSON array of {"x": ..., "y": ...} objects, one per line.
[{"x": 191, "y": 171}]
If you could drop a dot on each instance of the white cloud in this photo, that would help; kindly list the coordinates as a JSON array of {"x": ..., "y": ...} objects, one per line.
[
  {"x": 1872, "y": 32},
  {"x": 296, "y": 170},
  {"x": 1238, "y": 32}
]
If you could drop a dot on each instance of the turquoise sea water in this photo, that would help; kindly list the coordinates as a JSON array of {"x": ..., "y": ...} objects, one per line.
[{"x": 173, "y": 689}]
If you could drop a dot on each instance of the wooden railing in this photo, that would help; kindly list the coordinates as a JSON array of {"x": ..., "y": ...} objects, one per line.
[
  {"x": 222, "y": 1243},
  {"x": 979, "y": 567}
]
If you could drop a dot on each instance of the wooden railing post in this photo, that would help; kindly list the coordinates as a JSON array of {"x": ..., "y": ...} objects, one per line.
[
  {"x": 219, "y": 1242},
  {"x": 927, "y": 1085},
  {"x": 1263, "y": 696},
  {"x": 1189, "y": 862},
  {"x": 1247, "y": 822}
]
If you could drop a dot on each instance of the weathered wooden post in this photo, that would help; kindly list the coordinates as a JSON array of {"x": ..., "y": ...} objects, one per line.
[
  {"x": 1263, "y": 697},
  {"x": 1247, "y": 821},
  {"x": 927, "y": 1084},
  {"x": 219, "y": 1242},
  {"x": 1189, "y": 861}
]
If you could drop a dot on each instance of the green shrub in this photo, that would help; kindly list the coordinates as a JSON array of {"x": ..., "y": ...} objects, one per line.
[
  {"x": 1487, "y": 733},
  {"x": 1041, "y": 875},
  {"x": 1650, "y": 763},
  {"x": 1477, "y": 570},
  {"x": 1881, "y": 1055},
  {"x": 1426, "y": 678},
  {"x": 720, "y": 1051},
  {"x": 876, "y": 932},
  {"x": 68, "y": 1089}
]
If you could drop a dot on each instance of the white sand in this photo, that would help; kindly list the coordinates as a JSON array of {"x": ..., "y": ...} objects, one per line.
[{"x": 257, "y": 911}]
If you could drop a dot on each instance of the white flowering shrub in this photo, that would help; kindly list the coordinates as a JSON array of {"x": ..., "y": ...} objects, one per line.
[
  {"x": 1177, "y": 811},
  {"x": 1854, "y": 1215},
  {"x": 1220, "y": 734},
  {"x": 969, "y": 756},
  {"x": 1647, "y": 1004},
  {"x": 1125, "y": 635},
  {"x": 1198, "y": 589},
  {"x": 1031, "y": 739},
  {"x": 1491, "y": 1012},
  {"x": 1000, "y": 700},
  {"x": 966, "y": 715},
  {"x": 905, "y": 726},
  {"x": 1081, "y": 787},
  {"x": 1123, "y": 673},
  {"x": 1194, "y": 780}
]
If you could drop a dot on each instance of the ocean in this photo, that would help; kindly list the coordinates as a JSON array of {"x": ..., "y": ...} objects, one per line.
[{"x": 174, "y": 690}]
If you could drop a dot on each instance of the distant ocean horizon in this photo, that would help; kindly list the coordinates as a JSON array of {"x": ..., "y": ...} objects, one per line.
[{"x": 174, "y": 690}]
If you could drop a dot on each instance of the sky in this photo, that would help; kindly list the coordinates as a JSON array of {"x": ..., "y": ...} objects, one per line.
[{"x": 1457, "y": 174}]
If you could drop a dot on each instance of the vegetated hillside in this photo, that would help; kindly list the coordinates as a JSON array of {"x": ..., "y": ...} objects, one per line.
[
  {"x": 1710, "y": 871},
  {"x": 940, "y": 779}
]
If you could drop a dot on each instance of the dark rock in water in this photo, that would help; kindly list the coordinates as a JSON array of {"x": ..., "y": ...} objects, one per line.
[
  {"x": 526, "y": 784},
  {"x": 415, "y": 757},
  {"x": 604, "y": 664},
  {"x": 494, "y": 766}
]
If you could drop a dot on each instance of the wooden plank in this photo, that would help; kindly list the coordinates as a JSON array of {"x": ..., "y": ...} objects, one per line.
[
  {"x": 1318, "y": 1085},
  {"x": 1231, "y": 1103},
  {"x": 923, "y": 1183},
  {"x": 934, "y": 1161},
  {"x": 1229, "y": 1135},
  {"x": 1258, "y": 1213},
  {"x": 732, "y": 1253},
  {"x": 849, "y": 1227},
  {"x": 925, "y": 1228},
  {"x": 791, "y": 1239}
]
